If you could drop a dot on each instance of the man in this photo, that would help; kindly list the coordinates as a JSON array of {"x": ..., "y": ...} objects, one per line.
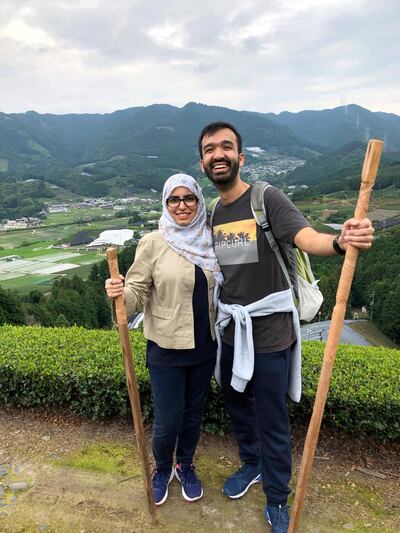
[{"x": 257, "y": 407}]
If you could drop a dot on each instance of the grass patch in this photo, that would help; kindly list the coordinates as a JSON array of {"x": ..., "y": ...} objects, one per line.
[
  {"x": 83, "y": 271},
  {"x": 74, "y": 215},
  {"x": 38, "y": 148},
  {"x": 10, "y": 275},
  {"x": 32, "y": 251},
  {"x": 104, "y": 457},
  {"x": 86, "y": 258},
  {"x": 372, "y": 509},
  {"x": 24, "y": 284},
  {"x": 44, "y": 235},
  {"x": 323, "y": 228},
  {"x": 393, "y": 205}
]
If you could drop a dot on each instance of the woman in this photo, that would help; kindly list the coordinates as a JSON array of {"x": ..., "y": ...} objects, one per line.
[{"x": 173, "y": 279}]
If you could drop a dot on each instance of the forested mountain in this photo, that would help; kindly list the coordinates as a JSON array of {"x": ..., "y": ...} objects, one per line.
[
  {"x": 22, "y": 199},
  {"x": 135, "y": 149},
  {"x": 340, "y": 170},
  {"x": 333, "y": 128},
  {"x": 143, "y": 143}
]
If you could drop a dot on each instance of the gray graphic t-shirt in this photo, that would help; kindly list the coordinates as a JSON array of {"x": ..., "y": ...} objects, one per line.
[{"x": 249, "y": 266}]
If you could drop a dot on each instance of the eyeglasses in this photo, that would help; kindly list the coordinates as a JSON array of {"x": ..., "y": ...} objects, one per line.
[{"x": 190, "y": 200}]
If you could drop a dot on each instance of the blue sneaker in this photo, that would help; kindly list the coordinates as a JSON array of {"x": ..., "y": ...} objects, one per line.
[
  {"x": 278, "y": 518},
  {"x": 161, "y": 480},
  {"x": 191, "y": 484},
  {"x": 239, "y": 483}
]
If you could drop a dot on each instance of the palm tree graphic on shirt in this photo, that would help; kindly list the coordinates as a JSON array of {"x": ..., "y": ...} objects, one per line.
[{"x": 236, "y": 242}]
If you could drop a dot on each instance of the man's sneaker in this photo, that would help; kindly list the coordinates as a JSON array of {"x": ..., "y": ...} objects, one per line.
[
  {"x": 191, "y": 484},
  {"x": 239, "y": 483},
  {"x": 278, "y": 518},
  {"x": 161, "y": 480}
]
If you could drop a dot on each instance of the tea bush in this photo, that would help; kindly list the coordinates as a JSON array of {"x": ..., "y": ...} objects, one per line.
[{"x": 82, "y": 370}]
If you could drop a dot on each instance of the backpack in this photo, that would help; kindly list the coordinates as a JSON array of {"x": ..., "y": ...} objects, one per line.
[{"x": 295, "y": 263}]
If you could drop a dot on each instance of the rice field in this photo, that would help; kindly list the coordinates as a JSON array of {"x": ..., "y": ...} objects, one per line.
[
  {"x": 23, "y": 274},
  {"x": 37, "y": 263}
]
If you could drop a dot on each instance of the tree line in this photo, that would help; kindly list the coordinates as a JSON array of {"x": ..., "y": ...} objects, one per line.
[
  {"x": 22, "y": 198},
  {"x": 376, "y": 283}
]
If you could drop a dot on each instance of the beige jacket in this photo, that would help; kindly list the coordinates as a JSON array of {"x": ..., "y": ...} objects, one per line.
[{"x": 160, "y": 282}]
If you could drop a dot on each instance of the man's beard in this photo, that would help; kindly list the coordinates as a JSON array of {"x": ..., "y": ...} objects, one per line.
[{"x": 223, "y": 180}]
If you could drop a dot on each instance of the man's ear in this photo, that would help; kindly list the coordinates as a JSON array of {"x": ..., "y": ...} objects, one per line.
[
  {"x": 241, "y": 159},
  {"x": 201, "y": 164}
]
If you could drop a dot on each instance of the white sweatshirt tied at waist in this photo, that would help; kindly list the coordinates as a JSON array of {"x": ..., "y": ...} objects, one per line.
[{"x": 243, "y": 358}]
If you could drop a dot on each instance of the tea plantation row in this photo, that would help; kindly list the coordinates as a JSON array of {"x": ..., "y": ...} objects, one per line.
[{"x": 81, "y": 370}]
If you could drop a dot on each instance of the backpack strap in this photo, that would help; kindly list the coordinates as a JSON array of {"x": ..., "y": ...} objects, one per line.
[
  {"x": 259, "y": 213},
  {"x": 211, "y": 210}
]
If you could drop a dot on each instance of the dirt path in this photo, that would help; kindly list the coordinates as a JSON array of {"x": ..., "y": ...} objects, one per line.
[{"x": 84, "y": 477}]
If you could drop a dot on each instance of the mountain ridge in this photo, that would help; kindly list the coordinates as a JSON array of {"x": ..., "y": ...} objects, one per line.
[
  {"x": 140, "y": 146},
  {"x": 40, "y": 142},
  {"x": 340, "y": 125}
]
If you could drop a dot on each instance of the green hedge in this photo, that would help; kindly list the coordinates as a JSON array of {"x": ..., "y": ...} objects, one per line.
[{"x": 82, "y": 370}]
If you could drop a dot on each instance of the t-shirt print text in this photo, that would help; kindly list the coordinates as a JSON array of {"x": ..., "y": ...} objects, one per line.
[{"x": 236, "y": 242}]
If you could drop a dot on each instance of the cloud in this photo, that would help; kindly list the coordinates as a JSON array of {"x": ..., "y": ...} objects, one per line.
[
  {"x": 28, "y": 37},
  {"x": 97, "y": 56}
]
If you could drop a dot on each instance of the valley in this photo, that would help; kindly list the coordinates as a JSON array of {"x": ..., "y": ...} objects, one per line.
[{"x": 66, "y": 179}]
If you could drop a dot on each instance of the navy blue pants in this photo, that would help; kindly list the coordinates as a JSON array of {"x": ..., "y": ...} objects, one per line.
[
  {"x": 259, "y": 419},
  {"x": 179, "y": 394}
]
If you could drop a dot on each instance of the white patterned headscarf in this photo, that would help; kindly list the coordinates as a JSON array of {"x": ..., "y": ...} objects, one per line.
[{"x": 194, "y": 241}]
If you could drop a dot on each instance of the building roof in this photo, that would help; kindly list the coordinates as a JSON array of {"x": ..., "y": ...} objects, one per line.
[
  {"x": 318, "y": 331},
  {"x": 83, "y": 237},
  {"x": 112, "y": 237},
  {"x": 358, "y": 332}
]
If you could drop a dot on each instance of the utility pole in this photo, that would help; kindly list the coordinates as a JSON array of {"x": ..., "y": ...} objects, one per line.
[{"x": 371, "y": 303}]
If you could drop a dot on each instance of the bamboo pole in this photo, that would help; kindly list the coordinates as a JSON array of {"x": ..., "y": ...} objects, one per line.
[
  {"x": 132, "y": 384},
  {"x": 368, "y": 175}
]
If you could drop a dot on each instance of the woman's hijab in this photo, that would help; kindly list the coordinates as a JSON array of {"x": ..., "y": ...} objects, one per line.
[{"x": 194, "y": 241}]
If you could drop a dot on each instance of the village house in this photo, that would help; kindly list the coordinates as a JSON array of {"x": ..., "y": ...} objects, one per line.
[{"x": 21, "y": 223}]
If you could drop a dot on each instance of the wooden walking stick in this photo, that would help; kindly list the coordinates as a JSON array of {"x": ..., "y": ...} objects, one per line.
[
  {"x": 131, "y": 383},
  {"x": 368, "y": 175}
]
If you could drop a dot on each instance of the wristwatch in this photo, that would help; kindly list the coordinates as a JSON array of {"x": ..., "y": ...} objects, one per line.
[{"x": 336, "y": 246}]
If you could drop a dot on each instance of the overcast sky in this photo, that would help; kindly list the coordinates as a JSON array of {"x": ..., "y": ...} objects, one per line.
[{"x": 75, "y": 56}]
